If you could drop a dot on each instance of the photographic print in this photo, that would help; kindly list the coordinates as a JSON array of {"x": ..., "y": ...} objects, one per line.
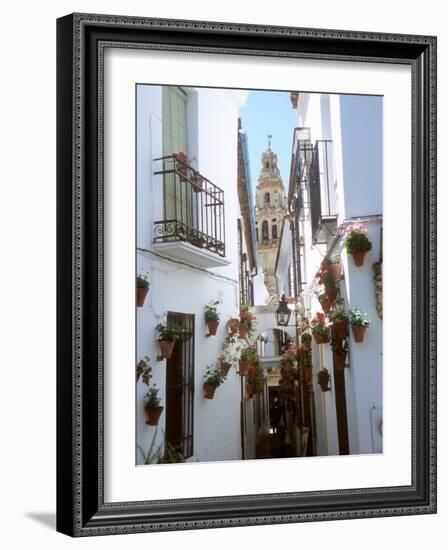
[{"x": 258, "y": 274}]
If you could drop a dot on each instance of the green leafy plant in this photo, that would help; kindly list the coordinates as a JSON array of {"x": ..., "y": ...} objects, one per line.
[
  {"x": 248, "y": 353},
  {"x": 357, "y": 317},
  {"x": 230, "y": 349},
  {"x": 142, "y": 281},
  {"x": 334, "y": 258},
  {"x": 168, "y": 454},
  {"x": 306, "y": 337},
  {"x": 211, "y": 312},
  {"x": 144, "y": 370},
  {"x": 214, "y": 377},
  {"x": 171, "y": 332},
  {"x": 338, "y": 313},
  {"x": 318, "y": 324},
  {"x": 356, "y": 239},
  {"x": 256, "y": 378},
  {"x": 339, "y": 346},
  {"x": 152, "y": 397},
  {"x": 164, "y": 454}
]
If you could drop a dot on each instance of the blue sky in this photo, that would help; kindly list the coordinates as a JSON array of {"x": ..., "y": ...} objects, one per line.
[{"x": 269, "y": 113}]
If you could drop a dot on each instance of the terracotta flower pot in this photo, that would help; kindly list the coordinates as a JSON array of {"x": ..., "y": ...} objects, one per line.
[
  {"x": 166, "y": 348},
  {"x": 336, "y": 271},
  {"x": 331, "y": 292},
  {"x": 339, "y": 360},
  {"x": 233, "y": 325},
  {"x": 358, "y": 333},
  {"x": 209, "y": 391},
  {"x": 321, "y": 338},
  {"x": 358, "y": 257},
  {"x": 153, "y": 415},
  {"x": 198, "y": 182},
  {"x": 243, "y": 332},
  {"x": 250, "y": 390},
  {"x": 323, "y": 383},
  {"x": 141, "y": 296},
  {"x": 306, "y": 345},
  {"x": 225, "y": 367},
  {"x": 212, "y": 326},
  {"x": 339, "y": 330},
  {"x": 244, "y": 367}
]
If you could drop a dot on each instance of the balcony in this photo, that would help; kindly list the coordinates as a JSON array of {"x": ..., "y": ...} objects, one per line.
[
  {"x": 322, "y": 192},
  {"x": 192, "y": 229}
]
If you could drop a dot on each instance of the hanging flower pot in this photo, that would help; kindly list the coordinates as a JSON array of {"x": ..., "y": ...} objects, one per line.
[
  {"x": 198, "y": 182},
  {"x": 209, "y": 391},
  {"x": 141, "y": 296},
  {"x": 233, "y": 326},
  {"x": 166, "y": 348},
  {"x": 357, "y": 242},
  {"x": 244, "y": 367},
  {"x": 305, "y": 340},
  {"x": 212, "y": 326},
  {"x": 225, "y": 367},
  {"x": 336, "y": 271},
  {"x": 153, "y": 415},
  {"x": 142, "y": 289},
  {"x": 250, "y": 390},
  {"x": 332, "y": 293},
  {"x": 323, "y": 379},
  {"x": 358, "y": 333},
  {"x": 243, "y": 332},
  {"x": 359, "y": 321},
  {"x": 358, "y": 257},
  {"x": 321, "y": 337},
  {"x": 340, "y": 329},
  {"x": 339, "y": 359}
]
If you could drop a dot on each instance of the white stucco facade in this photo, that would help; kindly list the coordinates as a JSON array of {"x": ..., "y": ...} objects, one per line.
[
  {"x": 186, "y": 285},
  {"x": 352, "y": 127}
]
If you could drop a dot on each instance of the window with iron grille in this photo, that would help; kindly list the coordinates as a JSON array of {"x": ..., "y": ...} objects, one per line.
[{"x": 180, "y": 387}]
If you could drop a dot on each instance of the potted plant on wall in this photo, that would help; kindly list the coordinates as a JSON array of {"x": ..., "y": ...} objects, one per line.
[
  {"x": 247, "y": 322},
  {"x": 339, "y": 327},
  {"x": 325, "y": 301},
  {"x": 331, "y": 290},
  {"x": 248, "y": 357},
  {"x": 255, "y": 381},
  {"x": 144, "y": 370},
  {"x": 319, "y": 329},
  {"x": 323, "y": 379},
  {"x": 229, "y": 354},
  {"x": 142, "y": 289},
  {"x": 356, "y": 242},
  {"x": 305, "y": 339},
  {"x": 212, "y": 380},
  {"x": 153, "y": 406},
  {"x": 169, "y": 333},
  {"x": 335, "y": 267},
  {"x": 339, "y": 349},
  {"x": 359, "y": 322},
  {"x": 212, "y": 317}
]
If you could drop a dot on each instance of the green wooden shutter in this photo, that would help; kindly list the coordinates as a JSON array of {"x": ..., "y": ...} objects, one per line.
[{"x": 174, "y": 114}]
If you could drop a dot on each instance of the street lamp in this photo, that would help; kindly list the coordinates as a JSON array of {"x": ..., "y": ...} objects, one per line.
[{"x": 283, "y": 313}]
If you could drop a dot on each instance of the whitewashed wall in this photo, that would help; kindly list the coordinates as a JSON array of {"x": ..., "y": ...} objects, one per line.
[
  {"x": 212, "y": 117},
  {"x": 354, "y": 124}
]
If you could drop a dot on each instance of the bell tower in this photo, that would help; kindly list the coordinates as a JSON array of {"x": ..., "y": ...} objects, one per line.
[{"x": 270, "y": 211}]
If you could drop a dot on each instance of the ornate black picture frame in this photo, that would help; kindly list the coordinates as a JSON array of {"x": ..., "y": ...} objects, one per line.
[{"x": 81, "y": 510}]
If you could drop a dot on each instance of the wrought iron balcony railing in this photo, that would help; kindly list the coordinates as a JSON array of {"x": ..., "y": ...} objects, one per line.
[{"x": 193, "y": 207}]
